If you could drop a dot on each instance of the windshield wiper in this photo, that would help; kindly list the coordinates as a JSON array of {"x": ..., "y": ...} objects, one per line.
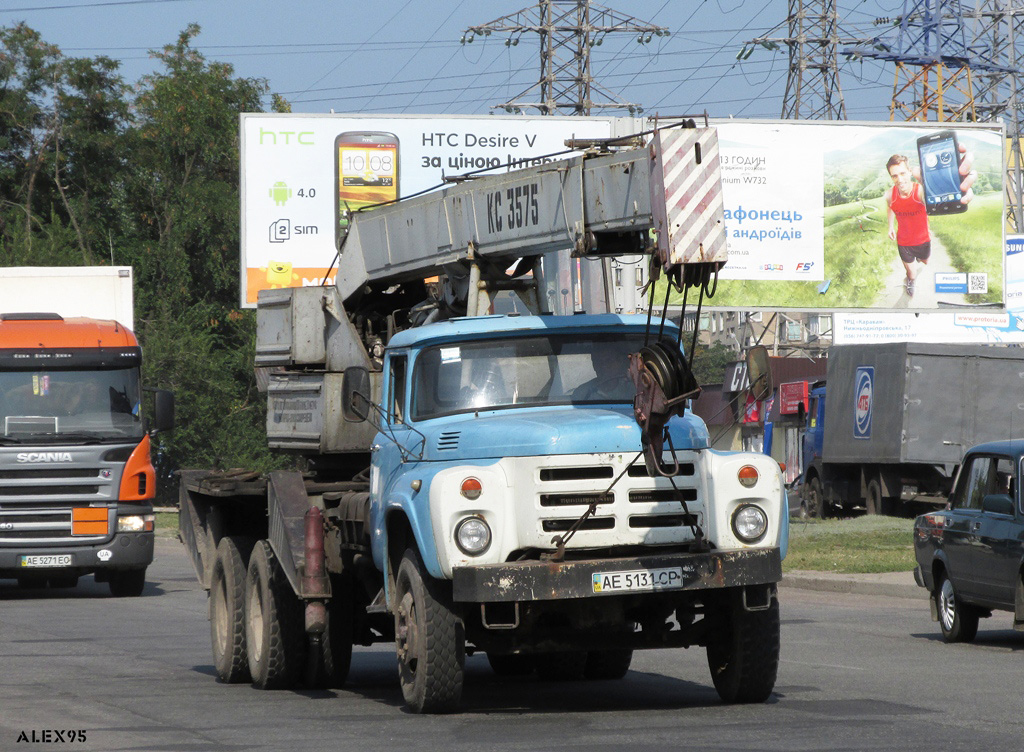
[{"x": 9, "y": 440}]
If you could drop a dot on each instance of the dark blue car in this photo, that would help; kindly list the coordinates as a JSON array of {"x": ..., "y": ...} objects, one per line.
[{"x": 970, "y": 556}]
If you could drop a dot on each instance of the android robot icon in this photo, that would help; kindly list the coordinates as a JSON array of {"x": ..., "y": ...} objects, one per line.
[{"x": 280, "y": 193}]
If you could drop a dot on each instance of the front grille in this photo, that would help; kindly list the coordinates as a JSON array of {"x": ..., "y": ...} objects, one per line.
[
  {"x": 640, "y": 470},
  {"x": 591, "y": 523},
  {"x": 662, "y": 520},
  {"x": 576, "y": 473},
  {"x": 569, "y": 500},
  {"x": 667, "y": 494},
  {"x": 636, "y": 510},
  {"x": 19, "y": 474},
  {"x": 84, "y": 490},
  {"x": 40, "y": 525}
]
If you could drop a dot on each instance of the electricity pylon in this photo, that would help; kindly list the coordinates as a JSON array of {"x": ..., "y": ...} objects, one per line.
[
  {"x": 568, "y": 29},
  {"x": 813, "y": 90}
]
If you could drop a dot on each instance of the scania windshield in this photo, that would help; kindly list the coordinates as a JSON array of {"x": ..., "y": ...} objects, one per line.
[{"x": 60, "y": 405}]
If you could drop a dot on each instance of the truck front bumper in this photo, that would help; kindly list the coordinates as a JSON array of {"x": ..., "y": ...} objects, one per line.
[
  {"x": 122, "y": 551},
  {"x": 550, "y": 580}
]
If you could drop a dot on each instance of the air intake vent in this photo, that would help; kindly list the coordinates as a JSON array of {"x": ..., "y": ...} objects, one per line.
[{"x": 448, "y": 441}]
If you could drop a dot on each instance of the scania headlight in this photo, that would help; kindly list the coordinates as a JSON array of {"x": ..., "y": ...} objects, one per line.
[
  {"x": 473, "y": 536},
  {"x": 749, "y": 523},
  {"x": 135, "y": 523}
]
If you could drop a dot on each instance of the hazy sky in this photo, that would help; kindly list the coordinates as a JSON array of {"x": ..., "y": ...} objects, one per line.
[{"x": 404, "y": 56}]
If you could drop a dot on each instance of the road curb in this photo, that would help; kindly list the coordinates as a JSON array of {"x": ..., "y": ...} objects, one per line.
[{"x": 894, "y": 585}]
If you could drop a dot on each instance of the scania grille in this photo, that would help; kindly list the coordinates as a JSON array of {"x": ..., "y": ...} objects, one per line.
[
  {"x": 53, "y": 525},
  {"x": 85, "y": 484}
]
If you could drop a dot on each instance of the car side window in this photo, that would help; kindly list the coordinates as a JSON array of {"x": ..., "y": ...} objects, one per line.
[
  {"x": 1005, "y": 481},
  {"x": 974, "y": 483}
]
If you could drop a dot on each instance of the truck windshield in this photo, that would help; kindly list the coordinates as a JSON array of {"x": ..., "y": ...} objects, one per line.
[
  {"x": 70, "y": 405},
  {"x": 527, "y": 371}
]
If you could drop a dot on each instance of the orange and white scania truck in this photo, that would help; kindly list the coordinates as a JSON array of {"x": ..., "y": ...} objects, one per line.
[{"x": 76, "y": 480}]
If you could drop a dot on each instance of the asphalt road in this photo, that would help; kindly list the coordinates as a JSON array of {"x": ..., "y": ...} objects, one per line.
[{"x": 857, "y": 673}]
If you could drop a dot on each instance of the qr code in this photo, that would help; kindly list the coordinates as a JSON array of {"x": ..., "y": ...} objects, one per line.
[{"x": 977, "y": 283}]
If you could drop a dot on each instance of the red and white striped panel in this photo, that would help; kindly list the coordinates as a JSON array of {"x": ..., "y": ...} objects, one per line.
[{"x": 686, "y": 196}]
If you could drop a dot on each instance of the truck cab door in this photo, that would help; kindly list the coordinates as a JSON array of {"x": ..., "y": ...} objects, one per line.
[{"x": 395, "y": 442}]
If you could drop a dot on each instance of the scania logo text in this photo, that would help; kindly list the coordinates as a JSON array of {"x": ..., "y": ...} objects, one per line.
[{"x": 44, "y": 457}]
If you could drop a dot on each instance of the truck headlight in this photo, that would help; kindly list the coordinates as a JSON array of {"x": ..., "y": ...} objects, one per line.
[
  {"x": 749, "y": 523},
  {"x": 135, "y": 523},
  {"x": 473, "y": 536}
]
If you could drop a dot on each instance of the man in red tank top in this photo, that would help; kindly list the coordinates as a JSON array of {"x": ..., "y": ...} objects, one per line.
[{"x": 908, "y": 218}]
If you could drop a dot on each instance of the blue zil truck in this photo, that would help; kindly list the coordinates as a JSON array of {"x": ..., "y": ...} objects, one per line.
[{"x": 509, "y": 485}]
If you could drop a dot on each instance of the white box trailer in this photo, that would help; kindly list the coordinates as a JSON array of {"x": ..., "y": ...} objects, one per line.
[{"x": 96, "y": 292}]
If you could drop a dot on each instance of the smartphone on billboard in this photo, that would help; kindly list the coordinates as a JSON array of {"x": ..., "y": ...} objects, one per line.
[
  {"x": 365, "y": 172},
  {"x": 939, "y": 156}
]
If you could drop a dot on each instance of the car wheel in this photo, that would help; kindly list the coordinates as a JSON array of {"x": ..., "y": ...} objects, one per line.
[{"x": 958, "y": 621}]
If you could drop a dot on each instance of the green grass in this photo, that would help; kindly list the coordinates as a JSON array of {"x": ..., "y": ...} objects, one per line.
[
  {"x": 166, "y": 524},
  {"x": 859, "y": 545}
]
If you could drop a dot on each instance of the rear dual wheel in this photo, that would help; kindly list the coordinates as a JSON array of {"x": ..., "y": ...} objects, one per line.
[
  {"x": 275, "y": 636},
  {"x": 227, "y": 609}
]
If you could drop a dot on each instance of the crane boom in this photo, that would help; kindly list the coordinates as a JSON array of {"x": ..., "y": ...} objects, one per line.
[{"x": 594, "y": 204}]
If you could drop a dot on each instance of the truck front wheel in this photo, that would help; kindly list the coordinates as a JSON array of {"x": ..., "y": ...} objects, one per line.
[
  {"x": 743, "y": 651},
  {"x": 430, "y": 640},
  {"x": 227, "y": 609},
  {"x": 127, "y": 583},
  {"x": 275, "y": 636}
]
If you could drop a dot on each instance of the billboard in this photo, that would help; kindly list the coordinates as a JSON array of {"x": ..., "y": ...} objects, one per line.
[
  {"x": 843, "y": 215},
  {"x": 959, "y": 326},
  {"x": 300, "y": 172}
]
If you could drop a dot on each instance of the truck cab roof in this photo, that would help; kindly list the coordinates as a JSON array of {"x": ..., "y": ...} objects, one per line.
[
  {"x": 480, "y": 327},
  {"x": 46, "y": 330}
]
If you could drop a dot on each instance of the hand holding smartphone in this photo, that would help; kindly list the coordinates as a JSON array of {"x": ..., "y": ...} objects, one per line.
[{"x": 946, "y": 191}]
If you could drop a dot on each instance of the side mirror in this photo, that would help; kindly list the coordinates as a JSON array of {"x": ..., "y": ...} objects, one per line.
[
  {"x": 759, "y": 373},
  {"x": 163, "y": 407},
  {"x": 801, "y": 413},
  {"x": 355, "y": 394},
  {"x": 997, "y": 504}
]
